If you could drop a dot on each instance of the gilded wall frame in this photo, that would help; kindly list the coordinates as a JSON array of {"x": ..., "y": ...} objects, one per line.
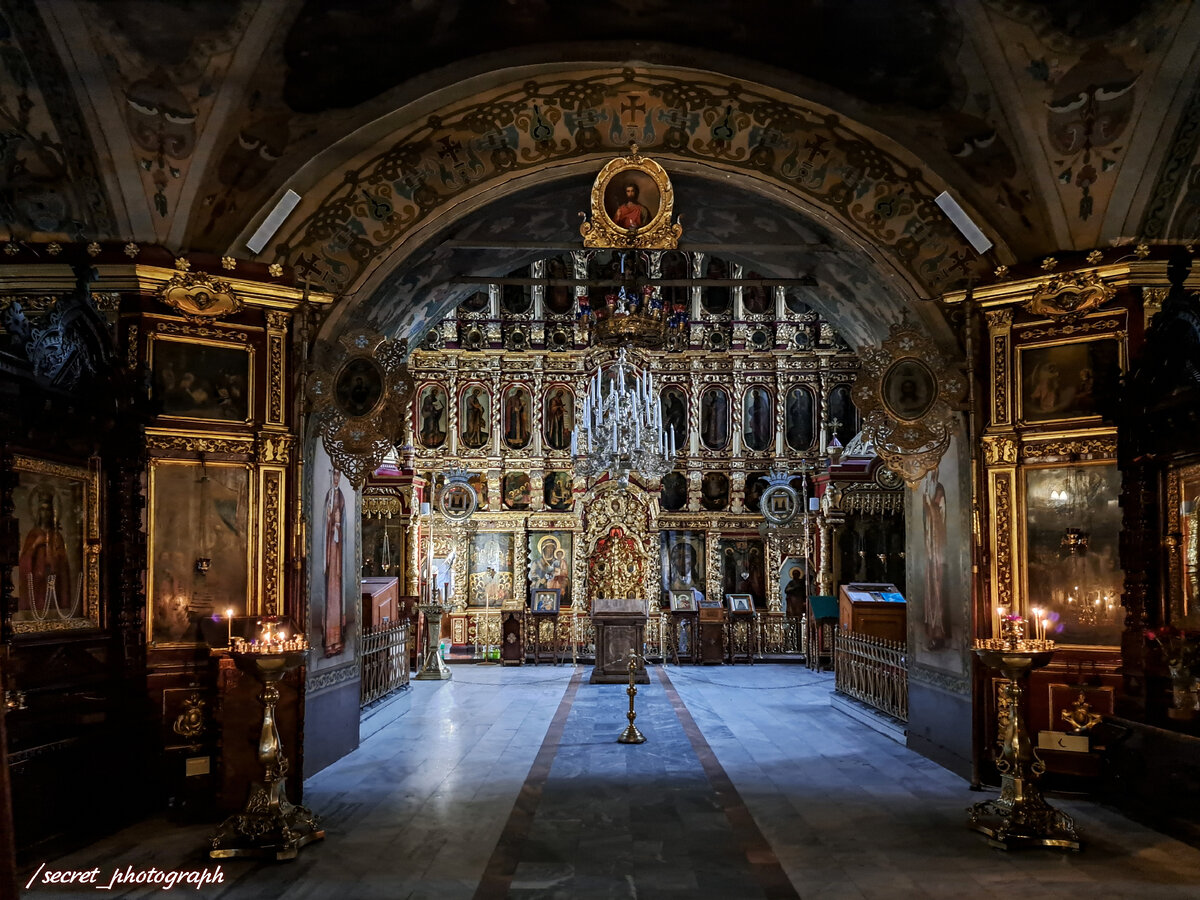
[
  {"x": 1057, "y": 381},
  {"x": 191, "y": 520},
  {"x": 57, "y": 508},
  {"x": 631, "y": 206},
  {"x": 1183, "y": 540},
  {"x": 1080, "y": 593},
  {"x": 201, "y": 380}
]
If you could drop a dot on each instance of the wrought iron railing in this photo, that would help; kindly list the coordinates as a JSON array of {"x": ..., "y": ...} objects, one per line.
[
  {"x": 872, "y": 670},
  {"x": 384, "y": 662},
  {"x": 780, "y": 635},
  {"x": 576, "y": 635}
]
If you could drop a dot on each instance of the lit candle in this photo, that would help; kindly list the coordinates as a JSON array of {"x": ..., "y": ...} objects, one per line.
[
  {"x": 1045, "y": 625},
  {"x": 229, "y": 626}
]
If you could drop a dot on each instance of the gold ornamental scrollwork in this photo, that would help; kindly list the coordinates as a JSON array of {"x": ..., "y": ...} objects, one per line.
[
  {"x": 1069, "y": 295},
  {"x": 869, "y": 501},
  {"x": 158, "y": 443},
  {"x": 359, "y": 398},
  {"x": 375, "y": 506},
  {"x": 907, "y": 393},
  {"x": 631, "y": 206},
  {"x": 274, "y": 449},
  {"x": 1002, "y": 498},
  {"x": 189, "y": 724},
  {"x": 219, "y": 332},
  {"x": 1067, "y": 329},
  {"x": 272, "y": 541},
  {"x": 1000, "y": 450},
  {"x": 1092, "y": 448},
  {"x": 607, "y": 507},
  {"x": 199, "y": 297}
]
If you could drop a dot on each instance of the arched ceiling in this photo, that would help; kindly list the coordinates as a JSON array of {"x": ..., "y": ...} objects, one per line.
[
  {"x": 760, "y": 233},
  {"x": 1060, "y": 125}
]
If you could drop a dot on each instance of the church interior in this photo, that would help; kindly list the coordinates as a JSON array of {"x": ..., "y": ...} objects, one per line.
[{"x": 542, "y": 450}]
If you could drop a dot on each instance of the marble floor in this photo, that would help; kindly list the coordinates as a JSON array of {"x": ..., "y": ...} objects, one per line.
[{"x": 509, "y": 782}]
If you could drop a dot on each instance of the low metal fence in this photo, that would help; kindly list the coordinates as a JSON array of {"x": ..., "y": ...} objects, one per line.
[
  {"x": 384, "y": 662},
  {"x": 872, "y": 670}
]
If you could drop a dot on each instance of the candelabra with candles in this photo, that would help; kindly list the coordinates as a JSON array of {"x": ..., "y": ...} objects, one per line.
[
  {"x": 1019, "y": 816},
  {"x": 622, "y": 431},
  {"x": 268, "y": 825}
]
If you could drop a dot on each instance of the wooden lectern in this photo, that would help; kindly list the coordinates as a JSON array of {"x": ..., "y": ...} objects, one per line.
[{"x": 620, "y": 624}]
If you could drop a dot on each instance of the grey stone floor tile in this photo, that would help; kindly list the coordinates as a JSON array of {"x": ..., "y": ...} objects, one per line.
[{"x": 418, "y": 809}]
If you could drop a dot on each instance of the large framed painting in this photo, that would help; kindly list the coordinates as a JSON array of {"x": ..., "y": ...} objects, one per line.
[
  {"x": 792, "y": 588},
  {"x": 674, "y": 491},
  {"x": 632, "y": 199},
  {"x": 1078, "y": 586},
  {"x": 200, "y": 379},
  {"x": 334, "y": 598},
  {"x": 517, "y": 409},
  {"x": 758, "y": 419},
  {"x": 714, "y": 418},
  {"x": 432, "y": 406},
  {"x": 674, "y": 402},
  {"x": 475, "y": 416},
  {"x": 681, "y": 555},
  {"x": 799, "y": 427},
  {"x": 490, "y": 573},
  {"x": 558, "y": 490},
  {"x": 558, "y": 415},
  {"x": 550, "y": 560},
  {"x": 57, "y": 575},
  {"x": 743, "y": 568},
  {"x": 517, "y": 490},
  {"x": 1063, "y": 381},
  {"x": 199, "y": 547},
  {"x": 714, "y": 491}
]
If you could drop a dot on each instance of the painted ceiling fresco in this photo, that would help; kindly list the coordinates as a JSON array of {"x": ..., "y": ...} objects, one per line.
[
  {"x": 1060, "y": 125},
  {"x": 904, "y": 46}
]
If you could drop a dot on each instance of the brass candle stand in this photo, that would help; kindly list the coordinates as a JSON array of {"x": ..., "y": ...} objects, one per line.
[
  {"x": 1019, "y": 816},
  {"x": 631, "y": 735},
  {"x": 433, "y": 668},
  {"x": 269, "y": 825}
]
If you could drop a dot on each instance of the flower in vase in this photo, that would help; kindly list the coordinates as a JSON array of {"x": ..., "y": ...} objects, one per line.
[{"x": 1180, "y": 648}]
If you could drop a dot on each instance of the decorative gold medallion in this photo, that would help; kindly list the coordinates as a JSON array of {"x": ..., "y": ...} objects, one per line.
[
  {"x": 360, "y": 399},
  {"x": 200, "y": 297},
  {"x": 632, "y": 202},
  {"x": 190, "y": 723},
  {"x": 907, "y": 393},
  {"x": 1069, "y": 296}
]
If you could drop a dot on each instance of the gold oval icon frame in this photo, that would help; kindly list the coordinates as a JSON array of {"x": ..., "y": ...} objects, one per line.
[{"x": 602, "y": 231}]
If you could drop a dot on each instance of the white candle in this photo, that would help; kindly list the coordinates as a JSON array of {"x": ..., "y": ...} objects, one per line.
[{"x": 229, "y": 625}]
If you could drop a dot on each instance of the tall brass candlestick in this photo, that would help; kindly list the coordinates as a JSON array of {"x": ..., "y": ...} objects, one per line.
[
  {"x": 631, "y": 735},
  {"x": 1019, "y": 816}
]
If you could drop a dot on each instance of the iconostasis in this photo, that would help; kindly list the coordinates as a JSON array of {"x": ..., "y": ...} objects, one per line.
[{"x": 753, "y": 379}]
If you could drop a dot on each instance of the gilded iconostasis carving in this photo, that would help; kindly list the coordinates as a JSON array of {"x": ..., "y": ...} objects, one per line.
[{"x": 774, "y": 395}]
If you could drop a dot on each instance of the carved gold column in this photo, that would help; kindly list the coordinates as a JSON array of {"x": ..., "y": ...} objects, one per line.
[
  {"x": 272, "y": 452},
  {"x": 825, "y": 574},
  {"x": 1000, "y": 457},
  {"x": 1000, "y": 336},
  {"x": 458, "y": 541},
  {"x": 774, "y": 563}
]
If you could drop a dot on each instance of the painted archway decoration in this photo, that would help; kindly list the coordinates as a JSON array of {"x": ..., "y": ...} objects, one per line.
[{"x": 355, "y": 217}]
